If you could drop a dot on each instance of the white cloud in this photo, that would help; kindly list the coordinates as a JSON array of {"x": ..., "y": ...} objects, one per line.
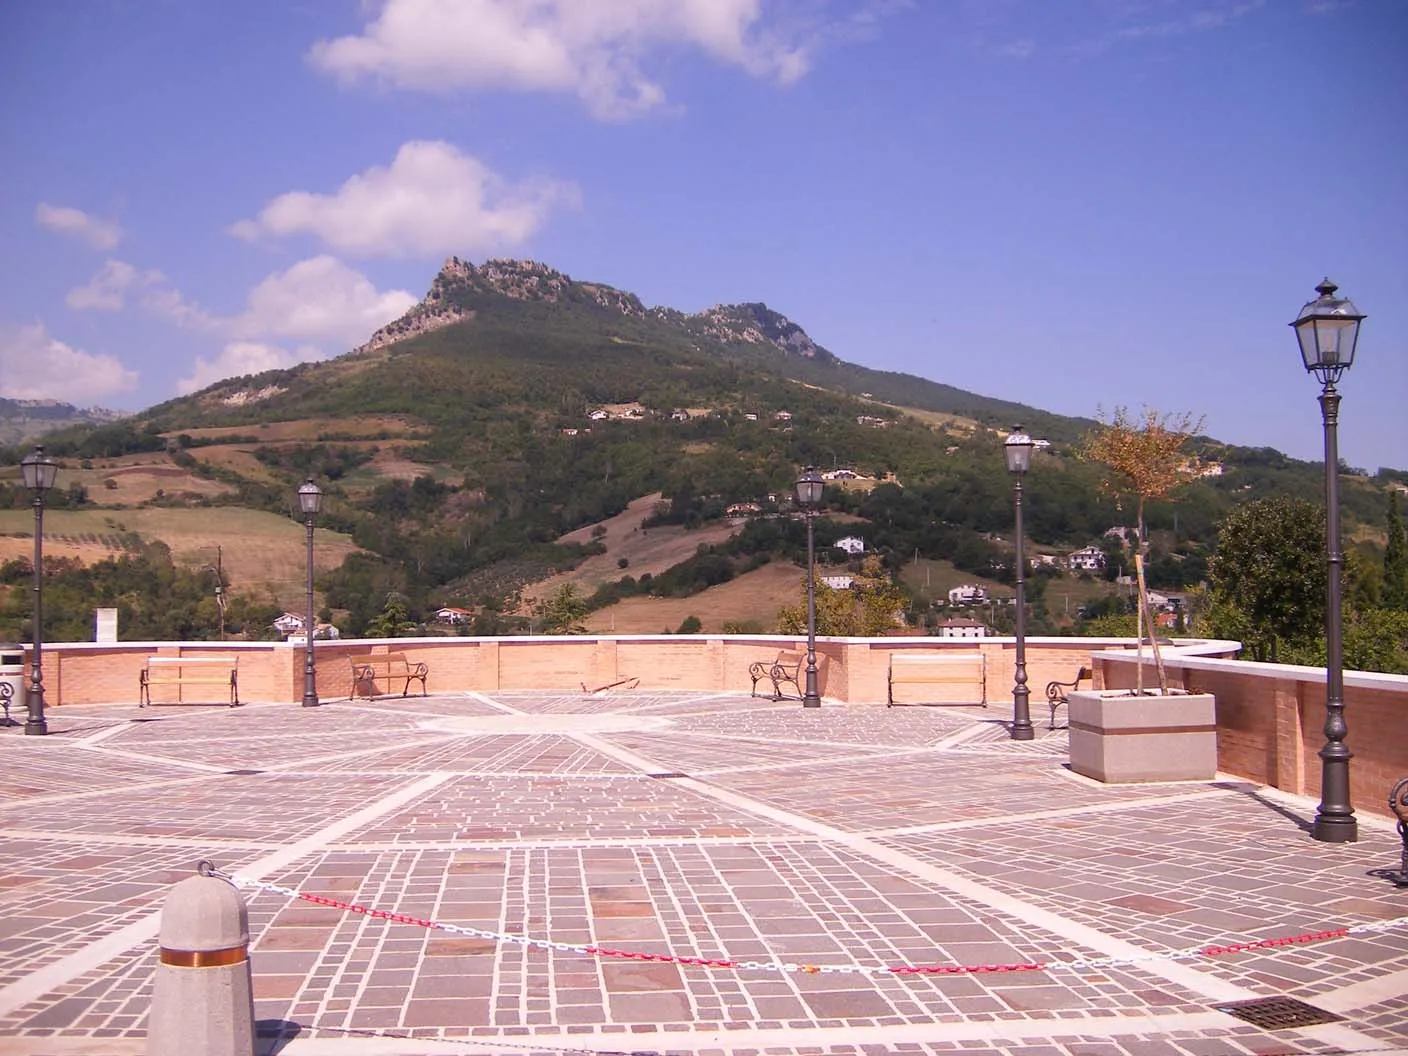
[
  {"x": 431, "y": 201},
  {"x": 240, "y": 358},
  {"x": 98, "y": 233},
  {"x": 36, "y": 366},
  {"x": 588, "y": 48},
  {"x": 321, "y": 304},
  {"x": 107, "y": 290},
  {"x": 321, "y": 299},
  {"x": 171, "y": 304}
]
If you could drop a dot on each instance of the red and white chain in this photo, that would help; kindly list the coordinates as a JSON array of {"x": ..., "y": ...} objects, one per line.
[{"x": 586, "y": 949}]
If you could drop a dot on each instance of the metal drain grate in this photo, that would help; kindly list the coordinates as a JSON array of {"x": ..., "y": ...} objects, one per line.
[
  {"x": 674, "y": 773},
  {"x": 1278, "y": 1013},
  {"x": 243, "y": 773}
]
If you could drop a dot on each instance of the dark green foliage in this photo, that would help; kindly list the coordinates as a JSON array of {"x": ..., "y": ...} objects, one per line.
[
  {"x": 1270, "y": 568},
  {"x": 156, "y": 601},
  {"x": 321, "y": 461},
  {"x": 1394, "y": 592}
]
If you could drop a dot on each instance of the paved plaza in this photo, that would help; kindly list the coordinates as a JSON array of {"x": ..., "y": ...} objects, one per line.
[{"x": 783, "y": 870}]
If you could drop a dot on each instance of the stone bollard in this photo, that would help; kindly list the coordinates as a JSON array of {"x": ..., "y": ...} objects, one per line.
[{"x": 203, "y": 997}]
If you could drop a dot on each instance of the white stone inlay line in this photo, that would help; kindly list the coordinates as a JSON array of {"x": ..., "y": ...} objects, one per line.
[
  {"x": 1185, "y": 975},
  {"x": 1042, "y": 815},
  {"x": 43, "y": 980}
]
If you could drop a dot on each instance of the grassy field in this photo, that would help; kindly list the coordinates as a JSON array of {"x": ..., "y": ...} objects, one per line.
[
  {"x": 752, "y": 598},
  {"x": 260, "y": 553}
]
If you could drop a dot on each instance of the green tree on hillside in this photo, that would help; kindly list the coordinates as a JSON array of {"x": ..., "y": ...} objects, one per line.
[
  {"x": 1269, "y": 569},
  {"x": 563, "y": 612},
  {"x": 872, "y": 605},
  {"x": 1393, "y": 593}
]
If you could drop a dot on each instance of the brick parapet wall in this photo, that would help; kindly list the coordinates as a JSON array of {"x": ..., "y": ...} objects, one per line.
[{"x": 1271, "y": 719}]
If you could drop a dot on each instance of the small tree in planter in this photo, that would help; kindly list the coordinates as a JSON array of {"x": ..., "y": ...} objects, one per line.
[{"x": 1146, "y": 460}]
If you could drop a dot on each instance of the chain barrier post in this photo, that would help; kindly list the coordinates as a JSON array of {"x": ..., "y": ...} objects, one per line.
[{"x": 203, "y": 993}]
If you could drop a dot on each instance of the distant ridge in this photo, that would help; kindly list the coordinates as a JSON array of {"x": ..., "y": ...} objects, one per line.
[{"x": 22, "y": 421}]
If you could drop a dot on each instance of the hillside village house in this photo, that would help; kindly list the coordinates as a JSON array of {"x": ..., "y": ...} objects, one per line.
[
  {"x": 967, "y": 594},
  {"x": 1086, "y": 559},
  {"x": 840, "y": 474},
  {"x": 961, "y": 627},
  {"x": 839, "y": 582},
  {"x": 852, "y": 544},
  {"x": 742, "y": 509},
  {"x": 289, "y": 623},
  {"x": 452, "y": 616}
]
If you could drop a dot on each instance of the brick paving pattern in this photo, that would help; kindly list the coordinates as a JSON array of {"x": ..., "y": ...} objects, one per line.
[{"x": 699, "y": 826}]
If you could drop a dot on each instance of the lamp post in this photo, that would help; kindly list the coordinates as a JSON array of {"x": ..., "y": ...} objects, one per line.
[
  {"x": 310, "y": 500},
  {"x": 1328, "y": 329},
  {"x": 38, "y": 472},
  {"x": 808, "y": 496},
  {"x": 1018, "y": 452}
]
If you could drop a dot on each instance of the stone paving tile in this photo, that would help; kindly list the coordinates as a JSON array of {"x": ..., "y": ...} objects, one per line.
[
  {"x": 487, "y": 753},
  {"x": 57, "y": 897},
  {"x": 787, "y": 721},
  {"x": 779, "y": 854},
  {"x": 908, "y": 790},
  {"x": 219, "y": 807},
  {"x": 560, "y": 807},
  {"x": 703, "y": 753},
  {"x": 54, "y": 770}
]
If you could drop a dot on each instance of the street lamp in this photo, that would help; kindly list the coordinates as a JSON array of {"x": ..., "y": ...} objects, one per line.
[
  {"x": 310, "y": 500},
  {"x": 38, "y": 472},
  {"x": 1327, "y": 329},
  {"x": 808, "y": 496},
  {"x": 1018, "y": 451}
]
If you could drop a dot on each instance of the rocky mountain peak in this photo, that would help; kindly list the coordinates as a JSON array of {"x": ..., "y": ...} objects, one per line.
[
  {"x": 531, "y": 280},
  {"x": 754, "y": 322}
]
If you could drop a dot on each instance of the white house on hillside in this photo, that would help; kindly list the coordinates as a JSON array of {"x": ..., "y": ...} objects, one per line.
[
  {"x": 967, "y": 594},
  {"x": 959, "y": 627},
  {"x": 852, "y": 544},
  {"x": 1086, "y": 559},
  {"x": 289, "y": 623}
]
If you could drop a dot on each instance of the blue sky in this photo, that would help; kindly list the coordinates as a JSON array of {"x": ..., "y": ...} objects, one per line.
[{"x": 1077, "y": 204}]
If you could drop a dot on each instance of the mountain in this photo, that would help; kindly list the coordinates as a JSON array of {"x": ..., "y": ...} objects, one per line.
[
  {"x": 463, "y": 444},
  {"x": 460, "y": 291},
  {"x": 24, "y": 421}
]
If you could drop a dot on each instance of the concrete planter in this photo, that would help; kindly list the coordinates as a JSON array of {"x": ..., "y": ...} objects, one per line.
[{"x": 1120, "y": 738}]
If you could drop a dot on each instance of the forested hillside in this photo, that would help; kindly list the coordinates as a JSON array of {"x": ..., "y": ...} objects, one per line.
[{"x": 515, "y": 405}]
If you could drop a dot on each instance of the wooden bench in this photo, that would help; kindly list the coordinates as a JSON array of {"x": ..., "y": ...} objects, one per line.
[
  {"x": 938, "y": 677},
  {"x": 387, "y": 668},
  {"x": 1056, "y": 692},
  {"x": 786, "y": 669},
  {"x": 182, "y": 671}
]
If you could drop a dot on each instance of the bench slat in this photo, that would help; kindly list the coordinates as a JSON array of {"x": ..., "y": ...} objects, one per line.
[
  {"x": 182, "y": 671},
  {"x": 951, "y": 673},
  {"x": 366, "y": 670}
]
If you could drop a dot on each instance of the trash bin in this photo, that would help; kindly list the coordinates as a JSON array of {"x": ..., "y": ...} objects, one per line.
[{"x": 12, "y": 691}]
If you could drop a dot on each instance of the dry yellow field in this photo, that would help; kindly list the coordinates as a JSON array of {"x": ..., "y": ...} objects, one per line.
[
  {"x": 308, "y": 430},
  {"x": 752, "y": 598},
  {"x": 260, "y": 553}
]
